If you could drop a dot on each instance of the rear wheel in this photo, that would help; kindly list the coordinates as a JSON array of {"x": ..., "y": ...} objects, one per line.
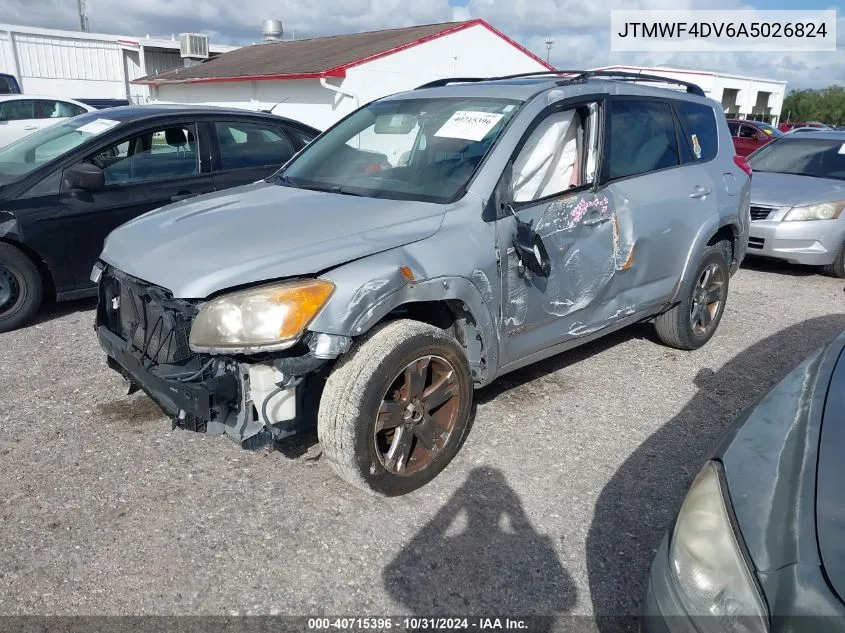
[
  {"x": 837, "y": 267},
  {"x": 21, "y": 288},
  {"x": 692, "y": 322},
  {"x": 396, "y": 408}
]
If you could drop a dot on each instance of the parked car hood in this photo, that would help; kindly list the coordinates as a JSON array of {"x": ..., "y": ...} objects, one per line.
[
  {"x": 770, "y": 458},
  {"x": 789, "y": 190},
  {"x": 261, "y": 232}
]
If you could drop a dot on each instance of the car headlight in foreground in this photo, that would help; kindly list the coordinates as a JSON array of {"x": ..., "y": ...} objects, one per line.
[
  {"x": 707, "y": 563},
  {"x": 264, "y": 318},
  {"x": 823, "y": 211}
]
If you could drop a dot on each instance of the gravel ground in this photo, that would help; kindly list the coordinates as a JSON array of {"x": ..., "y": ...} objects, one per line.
[{"x": 556, "y": 503}]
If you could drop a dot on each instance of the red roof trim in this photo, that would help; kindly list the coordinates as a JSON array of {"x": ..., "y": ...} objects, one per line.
[
  {"x": 340, "y": 71},
  {"x": 515, "y": 44},
  {"x": 461, "y": 27}
]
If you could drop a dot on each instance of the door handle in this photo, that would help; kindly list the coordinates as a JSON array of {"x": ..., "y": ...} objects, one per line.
[
  {"x": 181, "y": 196},
  {"x": 30, "y": 127},
  {"x": 596, "y": 221},
  {"x": 700, "y": 191}
]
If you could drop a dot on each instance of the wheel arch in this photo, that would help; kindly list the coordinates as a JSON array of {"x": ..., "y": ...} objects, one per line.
[
  {"x": 42, "y": 266},
  {"x": 710, "y": 233},
  {"x": 453, "y": 303}
]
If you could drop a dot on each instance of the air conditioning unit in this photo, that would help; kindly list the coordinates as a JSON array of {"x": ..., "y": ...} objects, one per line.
[{"x": 193, "y": 45}]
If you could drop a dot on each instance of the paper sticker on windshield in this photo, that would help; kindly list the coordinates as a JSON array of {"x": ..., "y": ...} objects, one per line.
[
  {"x": 472, "y": 126},
  {"x": 696, "y": 146},
  {"x": 98, "y": 126},
  {"x": 841, "y": 149}
]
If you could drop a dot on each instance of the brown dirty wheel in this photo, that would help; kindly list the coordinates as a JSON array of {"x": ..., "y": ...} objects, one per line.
[
  {"x": 395, "y": 408},
  {"x": 692, "y": 322}
]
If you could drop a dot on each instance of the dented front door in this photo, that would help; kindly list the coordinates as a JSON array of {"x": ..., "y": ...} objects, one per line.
[{"x": 581, "y": 234}]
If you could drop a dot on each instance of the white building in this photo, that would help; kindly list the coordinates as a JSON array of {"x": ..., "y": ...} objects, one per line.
[
  {"x": 742, "y": 97},
  {"x": 318, "y": 81},
  {"x": 86, "y": 65}
]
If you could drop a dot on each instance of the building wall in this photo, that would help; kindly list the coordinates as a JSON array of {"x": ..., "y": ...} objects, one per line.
[
  {"x": 475, "y": 52},
  {"x": 64, "y": 66},
  {"x": 83, "y": 65}
]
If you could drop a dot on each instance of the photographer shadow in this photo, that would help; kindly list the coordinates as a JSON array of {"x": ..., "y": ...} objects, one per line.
[{"x": 480, "y": 556}]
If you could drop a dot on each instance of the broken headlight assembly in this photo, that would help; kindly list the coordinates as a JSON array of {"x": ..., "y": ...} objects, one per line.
[
  {"x": 260, "y": 319},
  {"x": 707, "y": 562}
]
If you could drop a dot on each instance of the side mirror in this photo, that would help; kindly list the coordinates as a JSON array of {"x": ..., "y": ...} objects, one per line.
[
  {"x": 84, "y": 176},
  {"x": 530, "y": 248}
]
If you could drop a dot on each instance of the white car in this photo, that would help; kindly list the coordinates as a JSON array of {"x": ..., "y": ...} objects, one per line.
[{"x": 21, "y": 115}]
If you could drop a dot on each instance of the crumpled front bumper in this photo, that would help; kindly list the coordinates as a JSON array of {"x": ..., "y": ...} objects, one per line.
[{"x": 206, "y": 401}]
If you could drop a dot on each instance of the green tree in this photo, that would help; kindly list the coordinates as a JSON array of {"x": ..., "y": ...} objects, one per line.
[{"x": 826, "y": 105}]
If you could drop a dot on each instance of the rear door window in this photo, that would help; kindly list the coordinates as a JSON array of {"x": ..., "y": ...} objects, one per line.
[
  {"x": 699, "y": 129},
  {"x": 642, "y": 138},
  {"x": 248, "y": 145}
]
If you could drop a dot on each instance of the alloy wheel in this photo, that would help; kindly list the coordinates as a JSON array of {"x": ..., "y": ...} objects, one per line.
[{"x": 417, "y": 416}]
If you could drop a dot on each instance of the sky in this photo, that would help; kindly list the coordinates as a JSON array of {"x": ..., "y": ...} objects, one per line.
[{"x": 580, "y": 28}]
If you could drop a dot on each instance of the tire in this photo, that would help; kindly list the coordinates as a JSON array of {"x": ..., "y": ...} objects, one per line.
[
  {"x": 370, "y": 384},
  {"x": 679, "y": 327},
  {"x": 837, "y": 267},
  {"x": 21, "y": 288}
]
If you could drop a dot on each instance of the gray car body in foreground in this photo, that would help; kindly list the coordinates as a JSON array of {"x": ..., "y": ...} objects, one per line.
[
  {"x": 782, "y": 470},
  {"x": 812, "y": 242},
  {"x": 620, "y": 251}
]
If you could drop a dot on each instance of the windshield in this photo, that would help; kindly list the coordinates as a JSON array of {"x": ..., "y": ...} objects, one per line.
[
  {"x": 822, "y": 158},
  {"x": 768, "y": 129},
  {"x": 408, "y": 149},
  {"x": 27, "y": 154}
]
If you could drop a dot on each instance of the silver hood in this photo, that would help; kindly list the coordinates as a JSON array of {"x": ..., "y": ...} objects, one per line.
[
  {"x": 789, "y": 190},
  {"x": 261, "y": 232}
]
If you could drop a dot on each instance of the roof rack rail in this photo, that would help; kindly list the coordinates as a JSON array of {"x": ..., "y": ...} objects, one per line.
[
  {"x": 623, "y": 75},
  {"x": 439, "y": 83},
  {"x": 575, "y": 76}
]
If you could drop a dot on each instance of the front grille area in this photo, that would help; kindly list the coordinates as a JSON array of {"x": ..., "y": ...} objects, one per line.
[
  {"x": 157, "y": 325},
  {"x": 756, "y": 242},
  {"x": 760, "y": 213}
]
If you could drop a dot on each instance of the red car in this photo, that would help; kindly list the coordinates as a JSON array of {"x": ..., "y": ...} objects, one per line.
[
  {"x": 785, "y": 127},
  {"x": 749, "y": 136}
]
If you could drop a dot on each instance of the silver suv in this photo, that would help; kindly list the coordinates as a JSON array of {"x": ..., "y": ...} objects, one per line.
[{"x": 426, "y": 244}]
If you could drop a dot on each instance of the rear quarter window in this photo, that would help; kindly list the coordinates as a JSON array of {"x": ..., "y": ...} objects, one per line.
[{"x": 700, "y": 131}]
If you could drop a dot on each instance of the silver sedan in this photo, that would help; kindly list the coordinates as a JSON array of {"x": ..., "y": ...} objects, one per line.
[{"x": 797, "y": 200}]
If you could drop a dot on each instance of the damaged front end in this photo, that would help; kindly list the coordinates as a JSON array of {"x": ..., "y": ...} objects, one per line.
[{"x": 254, "y": 399}]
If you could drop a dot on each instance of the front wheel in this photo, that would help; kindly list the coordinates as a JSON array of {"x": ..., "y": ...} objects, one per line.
[
  {"x": 396, "y": 408},
  {"x": 692, "y": 322},
  {"x": 21, "y": 289}
]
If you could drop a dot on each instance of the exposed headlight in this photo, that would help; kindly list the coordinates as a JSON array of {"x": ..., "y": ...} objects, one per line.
[
  {"x": 707, "y": 562},
  {"x": 823, "y": 211},
  {"x": 265, "y": 318}
]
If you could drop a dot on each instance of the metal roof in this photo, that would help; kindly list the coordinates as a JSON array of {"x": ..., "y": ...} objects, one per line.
[{"x": 317, "y": 57}]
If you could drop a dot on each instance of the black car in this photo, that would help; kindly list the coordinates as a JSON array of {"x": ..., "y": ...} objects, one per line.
[
  {"x": 759, "y": 542},
  {"x": 63, "y": 189}
]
